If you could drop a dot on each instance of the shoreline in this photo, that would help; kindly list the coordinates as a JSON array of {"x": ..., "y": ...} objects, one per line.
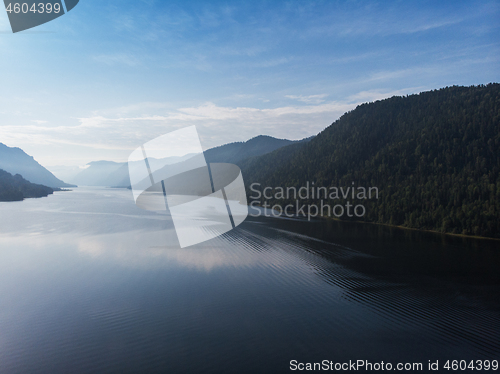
[
  {"x": 388, "y": 225},
  {"x": 414, "y": 229}
]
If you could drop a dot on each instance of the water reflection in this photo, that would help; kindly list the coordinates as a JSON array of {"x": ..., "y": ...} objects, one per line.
[
  {"x": 143, "y": 252},
  {"x": 89, "y": 283}
]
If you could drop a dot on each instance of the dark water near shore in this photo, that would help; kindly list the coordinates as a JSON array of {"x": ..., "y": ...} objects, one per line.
[{"x": 89, "y": 283}]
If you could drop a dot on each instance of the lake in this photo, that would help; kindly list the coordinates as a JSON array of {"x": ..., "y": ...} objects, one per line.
[{"x": 89, "y": 283}]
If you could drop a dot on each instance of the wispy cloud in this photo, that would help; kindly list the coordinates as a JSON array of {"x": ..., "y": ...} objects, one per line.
[
  {"x": 311, "y": 99},
  {"x": 424, "y": 26},
  {"x": 374, "y": 95},
  {"x": 386, "y": 75},
  {"x": 382, "y": 19},
  {"x": 227, "y": 69},
  {"x": 215, "y": 123}
]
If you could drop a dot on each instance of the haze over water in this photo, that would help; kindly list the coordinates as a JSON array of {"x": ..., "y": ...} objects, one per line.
[{"x": 91, "y": 283}]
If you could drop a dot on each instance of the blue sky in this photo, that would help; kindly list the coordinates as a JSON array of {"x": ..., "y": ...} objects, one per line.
[{"x": 111, "y": 75}]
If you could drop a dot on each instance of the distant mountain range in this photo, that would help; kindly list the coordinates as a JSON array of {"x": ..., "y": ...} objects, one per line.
[
  {"x": 16, "y": 188},
  {"x": 115, "y": 174},
  {"x": 434, "y": 157},
  {"x": 102, "y": 173},
  {"x": 16, "y": 161}
]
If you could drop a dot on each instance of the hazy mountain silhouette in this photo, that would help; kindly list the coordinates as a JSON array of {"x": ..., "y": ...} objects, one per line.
[
  {"x": 115, "y": 174},
  {"x": 16, "y": 161},
  {"x": 65, "y": 172},
  {"x": 98, "y": 173},
  {"x": 16, "y": 188}
]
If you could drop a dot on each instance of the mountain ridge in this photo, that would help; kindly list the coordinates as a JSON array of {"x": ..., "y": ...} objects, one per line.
[
  {"x": 435, "y": 157},
  {"x": 15, "y": 161},
  {"x": 237, "y": 151},
  {"x": 115, "y": 174},
  {"x": 16, "y": 188}
]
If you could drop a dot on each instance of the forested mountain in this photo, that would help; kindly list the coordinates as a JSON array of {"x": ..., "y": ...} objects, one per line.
[
  {"x": 16, "y": 188},
  {"x": 235, "y": 152},
  {"x": 434, "y": 156},
  {"x": 16, "y": 161}
]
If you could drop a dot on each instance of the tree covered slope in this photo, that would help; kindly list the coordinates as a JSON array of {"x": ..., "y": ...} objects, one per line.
[
  {"x": 434, "y": 156},
  {"x": 238, "y": 151}
]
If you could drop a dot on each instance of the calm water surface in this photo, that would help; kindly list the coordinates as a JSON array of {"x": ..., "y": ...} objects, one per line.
[{"x": 89, "y": 283}]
